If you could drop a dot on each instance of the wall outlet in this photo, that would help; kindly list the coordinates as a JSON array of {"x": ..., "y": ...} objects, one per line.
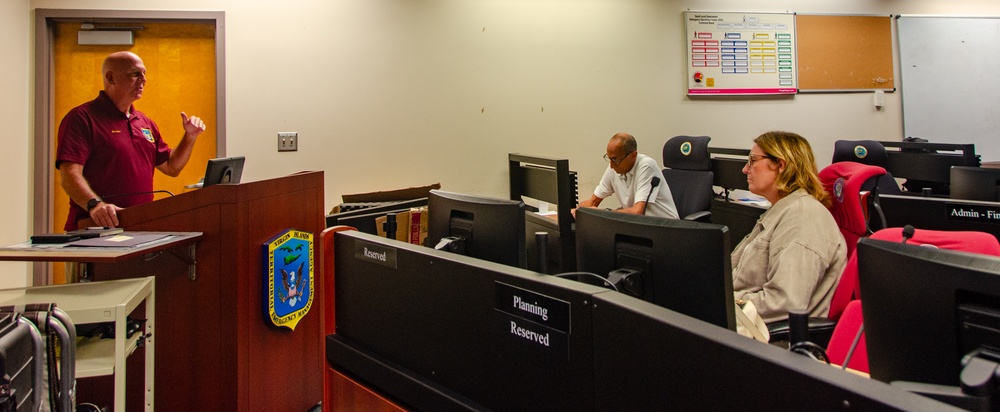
[{"x": 288, "y": 141}]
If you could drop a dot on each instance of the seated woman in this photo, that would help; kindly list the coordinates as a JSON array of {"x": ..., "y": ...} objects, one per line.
[{"x": 795, "y": 254}]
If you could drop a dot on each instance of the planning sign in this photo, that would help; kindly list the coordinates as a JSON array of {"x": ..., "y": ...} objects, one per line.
[{"x": 740, "y": 53}]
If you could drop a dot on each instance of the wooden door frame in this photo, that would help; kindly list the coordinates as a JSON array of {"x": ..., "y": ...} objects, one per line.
[{"x": 44, "y": 95}]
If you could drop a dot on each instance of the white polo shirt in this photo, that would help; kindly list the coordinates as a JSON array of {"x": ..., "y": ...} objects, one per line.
[{"x": 634, "y": 186}]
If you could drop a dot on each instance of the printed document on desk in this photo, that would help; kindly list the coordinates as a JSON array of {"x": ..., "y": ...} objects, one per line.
[{"x": 121, "y": 240}]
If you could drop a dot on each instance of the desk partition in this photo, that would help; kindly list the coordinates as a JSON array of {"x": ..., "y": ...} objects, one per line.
[
  {"x": 549, "y": 180},
  {"x": 437, "y": 331},
  {"x": 941, "y": 213}
]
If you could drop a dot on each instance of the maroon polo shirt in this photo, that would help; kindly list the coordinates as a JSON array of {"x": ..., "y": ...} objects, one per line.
[{"x": 119, "y": 153}]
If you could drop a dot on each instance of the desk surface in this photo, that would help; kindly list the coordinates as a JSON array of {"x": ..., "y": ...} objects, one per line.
[{"x": 26, "y": 251}]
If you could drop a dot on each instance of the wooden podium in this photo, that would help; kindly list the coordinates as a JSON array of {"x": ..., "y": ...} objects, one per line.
[{"x": 215, "y": 349}]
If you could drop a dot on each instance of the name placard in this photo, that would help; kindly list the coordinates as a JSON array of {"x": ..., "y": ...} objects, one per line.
[
  {"x": 532, "y": 319},
  {"x": 375, "y": 253},
  {"x": 973, "y": 213},
  {"x": 528, "y": 305}
]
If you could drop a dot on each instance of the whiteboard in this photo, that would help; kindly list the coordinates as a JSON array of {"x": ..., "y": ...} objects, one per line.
[{"x": 950, "y": 76}]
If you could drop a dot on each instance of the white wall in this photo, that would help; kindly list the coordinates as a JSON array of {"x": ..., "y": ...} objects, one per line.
[
  {"x": 15, "y": 55},
  {"x": 396, "y": 93}
]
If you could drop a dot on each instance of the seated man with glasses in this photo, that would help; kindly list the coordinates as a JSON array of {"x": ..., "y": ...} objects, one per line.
[{"x": 629, "y": 177}]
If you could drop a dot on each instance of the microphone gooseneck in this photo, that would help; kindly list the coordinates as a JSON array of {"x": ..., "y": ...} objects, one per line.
[{"x": 652, "y": 185}]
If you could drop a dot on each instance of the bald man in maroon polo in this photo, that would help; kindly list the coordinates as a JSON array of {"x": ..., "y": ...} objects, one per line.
[{"x": 107, "y": 148}]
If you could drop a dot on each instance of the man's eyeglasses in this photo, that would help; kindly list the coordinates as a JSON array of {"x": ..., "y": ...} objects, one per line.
[
  {"x": 616, "y": 161},
  {"x": 751, "y": 158}
]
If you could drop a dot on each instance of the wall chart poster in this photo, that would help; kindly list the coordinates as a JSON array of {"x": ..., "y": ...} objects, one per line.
[{"x": 740, "y": 53}]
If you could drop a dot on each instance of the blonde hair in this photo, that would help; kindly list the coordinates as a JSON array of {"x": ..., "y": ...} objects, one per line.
[{"x": 800, "y": 165}]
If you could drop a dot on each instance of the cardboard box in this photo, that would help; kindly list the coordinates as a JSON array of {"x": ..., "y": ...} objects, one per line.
[
  {"x": 398, "y": 195},
  {"x": 411, "y": 226}
]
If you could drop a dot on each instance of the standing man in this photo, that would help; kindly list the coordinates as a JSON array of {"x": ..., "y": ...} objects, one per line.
[
  {"x": 107, "y": 148},
  {"x": 629, "y": 177}
]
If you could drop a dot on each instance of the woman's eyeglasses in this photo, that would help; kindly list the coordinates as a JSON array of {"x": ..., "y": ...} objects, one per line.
[{"x": 751, "y": 158}]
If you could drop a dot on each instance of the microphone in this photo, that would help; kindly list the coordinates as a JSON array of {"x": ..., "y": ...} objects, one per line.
[
  {"x": 652, "y": 185},
  {"x": 908, "y": 232}
]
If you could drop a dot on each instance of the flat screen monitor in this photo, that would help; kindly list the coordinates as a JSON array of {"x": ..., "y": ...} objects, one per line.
[
  {"x": 356, "y": 217},
  {"x": 941, "y": 213},
  {"x": 925, "y": 309},
  {"x": 727, "y": 165},
  {"x": 975, "y": 183},
  {"x": 223, "y": 170},
  {"x": 481, "y": 227},
  {"x": 927, "y": 165},
  {"x": 681, "y": 265}
]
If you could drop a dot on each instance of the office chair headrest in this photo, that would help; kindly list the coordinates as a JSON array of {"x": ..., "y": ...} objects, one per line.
[
  {"x": 867, "y": 152},
  {"x": 687, "y": 153}
]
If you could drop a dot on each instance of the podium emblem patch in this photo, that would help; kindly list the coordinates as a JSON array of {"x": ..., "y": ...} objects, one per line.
[{"x": 288, "y": 277}]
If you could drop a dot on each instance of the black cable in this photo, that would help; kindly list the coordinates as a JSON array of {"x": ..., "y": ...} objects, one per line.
[
  {"x": 588, "y": 274},
  {"x": 137, "y": 194},
  {"x": 854, "y": 345},
  {"x": 810, "y": 350}
]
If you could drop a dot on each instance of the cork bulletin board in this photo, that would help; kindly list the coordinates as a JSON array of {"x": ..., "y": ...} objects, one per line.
[{"x": 838, "y": 53}]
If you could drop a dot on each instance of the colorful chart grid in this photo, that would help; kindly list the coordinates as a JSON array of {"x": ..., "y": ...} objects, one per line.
[{"x": 740, "y": 53}]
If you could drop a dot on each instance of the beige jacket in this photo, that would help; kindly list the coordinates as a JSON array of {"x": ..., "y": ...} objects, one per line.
[{"x": 793, "y": 258}]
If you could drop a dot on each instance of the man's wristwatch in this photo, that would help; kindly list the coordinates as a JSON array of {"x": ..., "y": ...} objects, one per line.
[{"x": 92, "y": 203}]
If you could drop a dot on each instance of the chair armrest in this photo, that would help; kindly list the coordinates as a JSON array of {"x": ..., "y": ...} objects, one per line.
[{"x": 702, "y": 216}]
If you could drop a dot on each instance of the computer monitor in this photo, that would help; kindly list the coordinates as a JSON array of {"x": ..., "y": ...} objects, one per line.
[
  {"x": 481, "y": 227},
  {"x": 727, "y": 165},
  {"x": 975, "y": 183},
  {"x": 223, "y": 170},
  {"x": 927, "y": 165},
  {"x": 357, "y": 217},
  {"x": 681, "y": 265},
  {"x": 925, "y": 309}
]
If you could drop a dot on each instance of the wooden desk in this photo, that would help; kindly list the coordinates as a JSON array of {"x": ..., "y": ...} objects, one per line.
[{"x": 67, "y": 252}]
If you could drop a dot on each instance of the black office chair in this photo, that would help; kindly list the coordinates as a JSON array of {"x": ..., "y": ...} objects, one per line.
[
  {"x": 867, "y": 152},
  {"x": 689, "y": 175}
]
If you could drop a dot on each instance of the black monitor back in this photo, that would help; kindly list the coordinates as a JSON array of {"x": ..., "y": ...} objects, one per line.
[
  {"x": 727, "y": 165},
  {"x": 686, "y": 265},
  {"x": 928, "y": 163},
  {"x": 358, "y": 218},
  {"x": 432, "y": 331},
  {"x": 647, "y": 358},
  {"x": 975, "y": 183},
  {"x": 917, "y": 302},
  {"x": 493, "y": 228},
  {"x": 941, "y": 213},
  {"x": 223, "y": 170}
]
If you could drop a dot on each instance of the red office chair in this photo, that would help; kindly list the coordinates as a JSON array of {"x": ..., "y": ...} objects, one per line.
[
  {"x": 843, "y": 337},
  {"x": 867, "y": 152},
  {"x": 843, "y": 181},
  {"x": 846, "y": 304}
]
